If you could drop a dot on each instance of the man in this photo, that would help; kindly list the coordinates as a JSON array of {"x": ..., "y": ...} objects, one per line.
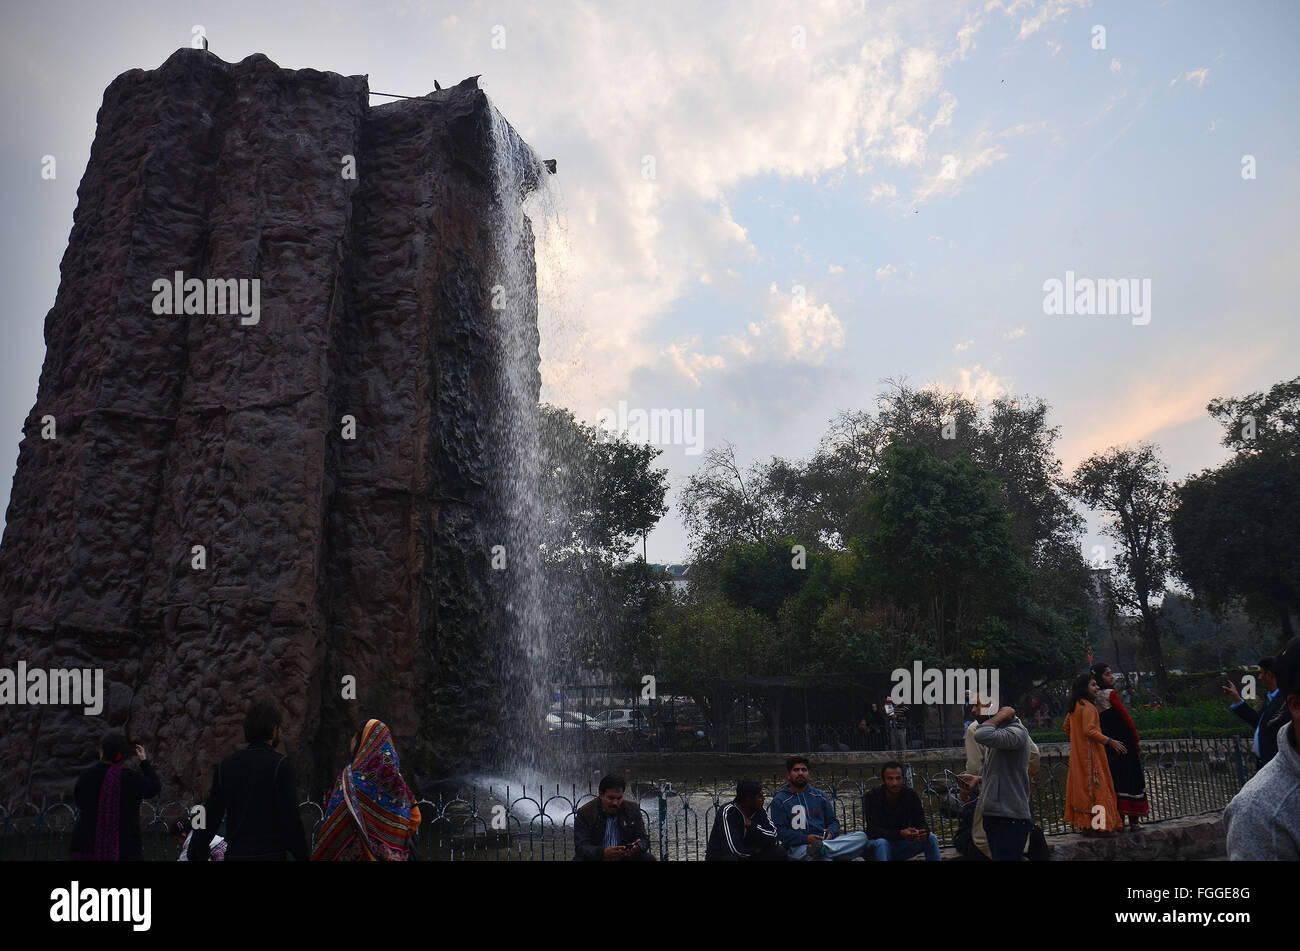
[
  {"x": 742, "y": 831},
  {"x": 895, "y": 819},
  {"x": 610, "y": 828},
  {"x": 1005, "y": 797},
  {"x": 976, "y": 755},
  {"x": 1263, "y": 819},
  {"x": 1267, "y": 721},
  {"x": 805, "y": 820},
  {"x": 256, "y": 792}
]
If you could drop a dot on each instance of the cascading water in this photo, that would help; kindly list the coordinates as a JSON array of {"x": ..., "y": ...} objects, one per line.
[{"x": 525, "y": 669}]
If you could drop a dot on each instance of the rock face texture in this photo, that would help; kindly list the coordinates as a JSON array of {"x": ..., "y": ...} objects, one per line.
[{"x": 327, "y": 553}]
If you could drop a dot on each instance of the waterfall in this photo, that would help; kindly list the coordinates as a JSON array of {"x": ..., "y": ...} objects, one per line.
[{"x": 513, "y": 306}]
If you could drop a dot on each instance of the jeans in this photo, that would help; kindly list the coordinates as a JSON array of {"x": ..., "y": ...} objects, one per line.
[
  {"x": 842, "y": 848},
  {"x": 1007, "y": 837},
  {"x": 886, "y": 851}
]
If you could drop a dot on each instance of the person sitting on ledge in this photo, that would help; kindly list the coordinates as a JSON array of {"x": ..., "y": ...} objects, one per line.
[
  {"x": 895, "y": 819},
  {"x": 610, "y": 828},
  {"x": 805, "y": 820},
  {"x": 742, "y": 831}
]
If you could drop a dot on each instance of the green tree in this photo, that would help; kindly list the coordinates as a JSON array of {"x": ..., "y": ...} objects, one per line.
[
  {"x": 1129, "y": 486},
  {"x": 940, "y": 543}
]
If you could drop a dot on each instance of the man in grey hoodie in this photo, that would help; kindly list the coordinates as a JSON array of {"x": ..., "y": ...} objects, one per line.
[
  {"x": 1263, "y": 820},
  {"x": 1007, "y": 817}
]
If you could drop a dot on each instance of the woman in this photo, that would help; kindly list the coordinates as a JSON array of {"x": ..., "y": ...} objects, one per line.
[
  {"x": 371, "y": 814},
  {"x": 108, "y": 797},
  {"x": 1125, "y": 768},
  {"x": 1089, "y": 790}
]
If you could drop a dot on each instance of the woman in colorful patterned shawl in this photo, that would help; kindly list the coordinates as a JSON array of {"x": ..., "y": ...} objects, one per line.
[
  {"x": 1088, "y": 784},
  {"x": 1125, "y": 768},
  {"x": 371, "y": 814}
]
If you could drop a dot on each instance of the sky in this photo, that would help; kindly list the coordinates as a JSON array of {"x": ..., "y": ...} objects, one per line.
[{"x": 764, "y": 210}]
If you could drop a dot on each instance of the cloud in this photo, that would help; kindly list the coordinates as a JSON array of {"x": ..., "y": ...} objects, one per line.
[
  {"x": 1115, "y": 66},
  {"x": 835, "y": 269},
  {"x": 982, "y": 385},
  {"x": 690, "y": 364},
  {"x": 795, "y": 329},
  {"x": 1015, "y": 334},
  {"x": 1198, "y": 76},
  {"x": 722, "y": 104},
  {"x": 1044, "y": 14},
  {"x": 886, "y": 272},
  {"x": 962, "y": 346}
]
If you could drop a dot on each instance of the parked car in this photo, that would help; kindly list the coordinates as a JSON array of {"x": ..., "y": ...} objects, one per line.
[
  {"x": 623, "y": 719},
  {"x": 570, "y": 720}
]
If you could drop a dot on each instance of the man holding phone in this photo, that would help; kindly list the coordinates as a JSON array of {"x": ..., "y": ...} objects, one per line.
[
  {"x": 1267, "y": 721},
  {"x": 610, "y": 828},
  {"x": 805, "y": 819}
]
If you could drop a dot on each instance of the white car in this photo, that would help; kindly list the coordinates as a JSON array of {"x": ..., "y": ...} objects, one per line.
[
  {"x": 570, "y": 720},
  {"x": 623, "y": 719}
]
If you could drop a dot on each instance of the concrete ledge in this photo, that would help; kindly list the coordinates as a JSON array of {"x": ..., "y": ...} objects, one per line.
[{"x": 1189, "y": 839}]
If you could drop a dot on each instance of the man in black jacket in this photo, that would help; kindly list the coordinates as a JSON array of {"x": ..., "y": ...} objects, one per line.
[
  {"x": 256, "y": 792},
  {"x": 742, "y": 831},
  {"x": 1267, "y": 721},
  {"x": 610, "y": 828},
  {"x": 895, "y": 820}
]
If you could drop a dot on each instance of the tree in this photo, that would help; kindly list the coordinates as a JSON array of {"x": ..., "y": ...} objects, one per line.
[
  {"x": 1236, "y": 532},
  {"x": 1129, "y": 487},
  {"x": 598, "y": 493},
  {"x": 940, "y": 543},
  {"x": 1236, "y": 527}
]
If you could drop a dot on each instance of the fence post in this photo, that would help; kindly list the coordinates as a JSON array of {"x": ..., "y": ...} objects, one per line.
[{"x": 663, "y": 824}]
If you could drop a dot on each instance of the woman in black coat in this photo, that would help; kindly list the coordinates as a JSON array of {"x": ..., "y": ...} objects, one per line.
[{"x": 108, "y": 797}]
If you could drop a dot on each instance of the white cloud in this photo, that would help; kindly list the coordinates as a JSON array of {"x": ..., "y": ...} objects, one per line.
[
  {"x": 1015, "y": 334},
  {"x": 690, "y": 364},
  {"x": 883, "y": 190},
  {"x": 1115, "y": 66},
  {"x": 1046, "y": 13},
  {"x": 1198, "y": 76},
  {"x": 793, "y": 330},
  {"x": 979, "y": 384},
  {"x": 835, "y": 269},
  {"x": 964, "y": 345},
  {"x": 884, "y": 273}
]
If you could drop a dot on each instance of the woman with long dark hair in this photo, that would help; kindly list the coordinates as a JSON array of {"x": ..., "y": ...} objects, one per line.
[
  {"x": 108, "y": 797},
  {"x": 1089, "y": 790},
  {"x": 1126, "y": 767},
  {"x": 371, "y": 815}
]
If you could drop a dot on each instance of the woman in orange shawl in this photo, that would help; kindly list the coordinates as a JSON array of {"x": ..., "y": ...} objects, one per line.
[
  {"x": 372, "y": 813},
  {"x": 1089, "y": 790}
]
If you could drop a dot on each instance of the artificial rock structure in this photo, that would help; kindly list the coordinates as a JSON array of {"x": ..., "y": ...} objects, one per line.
[{"x": 323, "y": 556}]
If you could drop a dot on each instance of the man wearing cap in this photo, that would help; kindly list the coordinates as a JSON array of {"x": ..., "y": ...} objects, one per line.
[{"x": 1263, "y": 819}]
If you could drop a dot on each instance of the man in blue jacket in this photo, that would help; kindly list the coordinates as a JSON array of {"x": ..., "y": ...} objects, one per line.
[{"x": 805, "y": 820}]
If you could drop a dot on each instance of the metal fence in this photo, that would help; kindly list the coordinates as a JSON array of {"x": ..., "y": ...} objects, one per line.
[{"x": 1183, "y": 778}]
